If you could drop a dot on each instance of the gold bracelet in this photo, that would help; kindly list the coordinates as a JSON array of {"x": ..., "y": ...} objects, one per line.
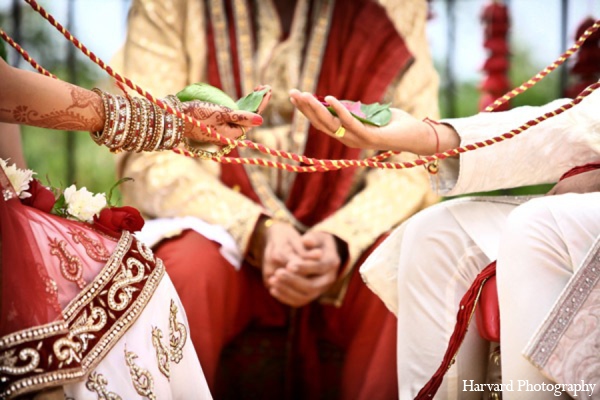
[{"x": 206, "y": 154}]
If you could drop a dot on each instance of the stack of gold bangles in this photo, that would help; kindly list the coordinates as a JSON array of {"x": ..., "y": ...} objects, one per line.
[{"x": 135, "y": 124}]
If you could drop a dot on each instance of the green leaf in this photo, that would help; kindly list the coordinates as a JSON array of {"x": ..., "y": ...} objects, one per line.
[
  {"x": 205, "y": 92},
  {"x": 375, "y": 114},
  {"x": 60, "y": 206},
  {"x": 251, "y": 101},
  {"x": 3, "y": 53}
]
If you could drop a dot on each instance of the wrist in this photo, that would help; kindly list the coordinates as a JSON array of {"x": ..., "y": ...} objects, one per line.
[{"x": 258, "y": 241}]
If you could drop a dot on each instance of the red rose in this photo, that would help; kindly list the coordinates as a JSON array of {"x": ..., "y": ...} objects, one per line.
[
  {"x": 114, "y": 220},
  {"x": 41, "y": 197}
]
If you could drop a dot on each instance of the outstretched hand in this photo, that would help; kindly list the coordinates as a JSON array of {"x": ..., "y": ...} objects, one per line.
[
  {"x": 224, "y": 120},
  {"x": 402, "y": 133}
]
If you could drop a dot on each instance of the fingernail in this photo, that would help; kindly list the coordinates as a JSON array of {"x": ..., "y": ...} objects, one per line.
[{"x": 257, "y": 120}]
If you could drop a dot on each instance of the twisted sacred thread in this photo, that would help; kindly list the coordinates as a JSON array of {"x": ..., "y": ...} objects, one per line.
[
  {"x": 317, "y": 165},
  {"x": 526, "y": 85},
  {"x": 25, "y": 55},
  {"x": 542, "y": 74}
]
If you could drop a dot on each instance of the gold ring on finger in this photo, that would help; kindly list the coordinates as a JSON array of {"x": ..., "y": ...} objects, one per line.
[{"x": 341, "y": 131}]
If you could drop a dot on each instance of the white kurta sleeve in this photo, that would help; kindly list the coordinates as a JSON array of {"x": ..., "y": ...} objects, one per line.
[{"x": 539, "y": 155}]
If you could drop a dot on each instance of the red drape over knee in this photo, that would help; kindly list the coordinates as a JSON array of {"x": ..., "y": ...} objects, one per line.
[{"x": 366, "y": 329}]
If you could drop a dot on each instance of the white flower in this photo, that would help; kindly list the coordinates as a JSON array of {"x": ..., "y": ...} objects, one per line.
[
  {"x": 83, "y": 204},
  {"x": 19, "y": 178}
]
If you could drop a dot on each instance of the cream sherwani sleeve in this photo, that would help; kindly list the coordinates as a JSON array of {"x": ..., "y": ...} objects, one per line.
[
  {"x": 541, "y": 154},
  {"x": 165, "y": 51},
  {"x": 390, "y": 197}
]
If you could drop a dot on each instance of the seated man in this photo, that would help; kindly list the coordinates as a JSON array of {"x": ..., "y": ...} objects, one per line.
[
  {"x": 546, "y": 249},
  {"x": 295, "y": 239}
]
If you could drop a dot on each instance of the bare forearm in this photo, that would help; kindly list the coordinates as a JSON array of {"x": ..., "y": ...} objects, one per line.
[
  {"x": 412, "y": 135},
  {"x": 32, "y": 99}
]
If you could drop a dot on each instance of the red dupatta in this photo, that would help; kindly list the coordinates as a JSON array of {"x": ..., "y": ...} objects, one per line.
[{"x": 364, "y": 54}]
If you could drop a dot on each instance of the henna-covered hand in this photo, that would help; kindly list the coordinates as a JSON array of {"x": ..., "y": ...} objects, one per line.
[{"x": 224, "y": 120}]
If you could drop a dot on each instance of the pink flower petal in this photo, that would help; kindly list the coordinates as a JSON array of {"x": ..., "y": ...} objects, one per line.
[{"x": 354, "y": 108}]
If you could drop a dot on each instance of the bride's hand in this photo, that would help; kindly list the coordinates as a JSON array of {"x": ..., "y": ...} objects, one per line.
[
  {"x": 402, "y": 133},
  {"x": 224, "y": 120}
]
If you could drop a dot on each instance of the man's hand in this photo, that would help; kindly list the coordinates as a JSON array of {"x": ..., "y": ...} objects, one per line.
[
  {"x": 585, "y": 182},
  {"x": 306, "y": 277},
  {"x": 283, "y": 242}
]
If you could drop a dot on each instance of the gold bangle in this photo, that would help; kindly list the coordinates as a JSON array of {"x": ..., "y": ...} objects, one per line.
[
  {"x": 109, "y": 117},
  {"x": 146, "y": 127},
  {"x": 159, "y": 123}
]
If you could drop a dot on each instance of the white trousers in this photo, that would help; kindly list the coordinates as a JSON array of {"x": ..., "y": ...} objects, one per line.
[{"x": 538, "y": 246}]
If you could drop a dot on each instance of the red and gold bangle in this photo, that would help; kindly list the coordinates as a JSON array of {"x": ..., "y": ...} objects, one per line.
[
  {"x": 156, "y": 139},
  {"x": 179, "y": 122},
  {"x": 109, "y": 116},
  {"x": 117, "y": 132},
  {"x": 133, "y": 133},
  {"x": 124, "y": 133},
  {"x": 144, "y": 123},
  {"x": 148, "y": 130}
]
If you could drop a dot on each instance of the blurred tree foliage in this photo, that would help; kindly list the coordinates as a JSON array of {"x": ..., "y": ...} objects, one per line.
[
  {"x": 46, "y": 150},
  {"x": 3, "y": 54}
]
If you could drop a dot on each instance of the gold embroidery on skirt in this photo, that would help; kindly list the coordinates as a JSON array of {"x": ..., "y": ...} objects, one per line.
[
  {"x": 145, "y": 251},
  {"x": 8, "y": 361},
  {"x": 177, "y": 335},
  {"x": 76, "y": 343},
  {"x": 97, "y": 383},
  {"x": 123, "y": 280},
  {"x": 162, "y": 353},
  {"x": 141, "y": 378},
  {"x": 93, "y": 323},
  {"x": 71, "y": 266},
  {"x": 94, "y": 248}
]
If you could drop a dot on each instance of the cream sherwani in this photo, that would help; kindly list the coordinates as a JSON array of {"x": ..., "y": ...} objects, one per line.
[
  {"x": 166, "y": 50},
  {"x": 546, "y": 250}
]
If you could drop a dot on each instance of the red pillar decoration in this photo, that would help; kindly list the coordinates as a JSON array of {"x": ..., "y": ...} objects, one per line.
[
  {"x": 586, "y": 68},
  {"x": 495, "y": 82}
]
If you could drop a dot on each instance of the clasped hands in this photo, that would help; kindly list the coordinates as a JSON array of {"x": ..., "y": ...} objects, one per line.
[{"x": 298, "y": 268}]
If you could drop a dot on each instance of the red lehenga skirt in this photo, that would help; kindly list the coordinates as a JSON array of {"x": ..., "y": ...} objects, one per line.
[{"x": 92, "y": 313}]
